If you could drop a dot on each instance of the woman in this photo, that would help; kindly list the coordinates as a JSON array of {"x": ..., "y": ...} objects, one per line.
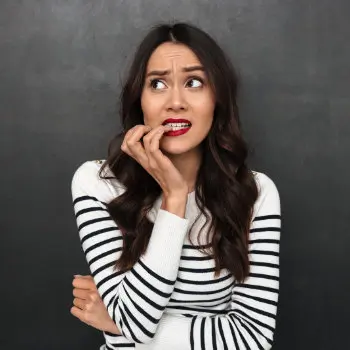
[{"x": 181, "y": 237}]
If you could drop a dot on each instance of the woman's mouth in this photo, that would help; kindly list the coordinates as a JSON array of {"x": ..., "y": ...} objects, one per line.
[{"x": 177, "y": 129}]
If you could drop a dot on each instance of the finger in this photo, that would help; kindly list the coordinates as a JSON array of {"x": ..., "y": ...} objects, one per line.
[
  {"x": 81, "y": 293},
  {"x": 83, "y": 276},
  {"x": 88, "y": 277},
  {"x": 75, "y": 311},
  {"x": 159, "y": 129},
  {"x": 133, "y": 146},
  {"x": 80, "y": 303},
  {"x": 134, "y": 135},
  {"x": 131, "y": 131},
  {"x": 84, "y": 283},
  {"x": 154, "y": 154}
]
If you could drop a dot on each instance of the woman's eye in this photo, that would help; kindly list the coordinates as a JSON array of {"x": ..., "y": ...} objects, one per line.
[
  {"x": 157, "y": 84},
  {"x": 195, "y": 83}
]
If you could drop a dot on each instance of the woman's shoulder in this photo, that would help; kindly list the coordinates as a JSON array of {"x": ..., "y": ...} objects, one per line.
[
  {"x": 89, "y": 178},
  {"x": 268, "y": 197},
  {"x": 263, "y": 181}
]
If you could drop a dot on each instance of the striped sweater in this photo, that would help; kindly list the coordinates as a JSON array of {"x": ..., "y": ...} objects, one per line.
[{"x": 170, "y": 299}]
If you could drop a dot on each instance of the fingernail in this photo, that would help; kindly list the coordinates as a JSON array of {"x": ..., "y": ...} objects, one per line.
[{"x": 77, "y": 275}]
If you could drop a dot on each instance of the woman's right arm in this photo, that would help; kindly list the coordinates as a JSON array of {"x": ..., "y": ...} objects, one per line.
[{"x": 135, "y": 300}]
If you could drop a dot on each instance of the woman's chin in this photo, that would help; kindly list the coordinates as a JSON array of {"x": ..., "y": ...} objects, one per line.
[{"x": 173, "y": 151}]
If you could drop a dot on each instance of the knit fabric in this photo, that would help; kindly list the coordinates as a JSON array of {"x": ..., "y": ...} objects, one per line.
[{"x": 170, "y": 299}]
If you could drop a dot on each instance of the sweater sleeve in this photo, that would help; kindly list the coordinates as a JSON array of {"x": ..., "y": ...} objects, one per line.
[
  {"x": 250, "y": 321},
  {"x": 136, "y": 299}
]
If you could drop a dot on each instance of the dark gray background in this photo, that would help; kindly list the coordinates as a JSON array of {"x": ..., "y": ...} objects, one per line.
[{"x": 61, "y": 67}]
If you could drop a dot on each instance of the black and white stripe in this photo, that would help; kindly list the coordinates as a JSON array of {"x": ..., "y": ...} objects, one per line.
[
  {"x": 136, "y": 299},
  {"x": 223, "y": 314},
  {"x": 250, "y": 320}
]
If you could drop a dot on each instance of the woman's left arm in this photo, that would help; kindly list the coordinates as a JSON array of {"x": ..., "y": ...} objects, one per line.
[{"x": 250, "y": 322}]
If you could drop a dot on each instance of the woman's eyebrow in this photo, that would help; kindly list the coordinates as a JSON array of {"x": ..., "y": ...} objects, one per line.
[{"x": 166, "y": 72}]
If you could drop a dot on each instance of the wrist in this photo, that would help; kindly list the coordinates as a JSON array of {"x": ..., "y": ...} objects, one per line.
[
  {"x": 175, "y": 204},
  {"x": 112, "y": 328}
]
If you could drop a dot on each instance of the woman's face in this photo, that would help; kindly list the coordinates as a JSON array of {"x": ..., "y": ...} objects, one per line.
[{"x": 177, "y": 87}]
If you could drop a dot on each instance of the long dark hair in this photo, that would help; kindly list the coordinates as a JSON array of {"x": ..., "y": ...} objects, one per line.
[{"x": 225, "y": 186}]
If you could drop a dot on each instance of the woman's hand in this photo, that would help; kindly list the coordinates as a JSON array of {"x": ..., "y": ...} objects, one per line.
[
  {"x": 151, "y": 158},
  {"x": 89, "y": 307}
]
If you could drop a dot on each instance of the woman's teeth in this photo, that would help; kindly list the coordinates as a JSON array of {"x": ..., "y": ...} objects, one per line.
[{"x": 178, "y": 126}]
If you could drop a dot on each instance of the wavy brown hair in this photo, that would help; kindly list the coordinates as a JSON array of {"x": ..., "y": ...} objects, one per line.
[{"x": 225, "y": 186}]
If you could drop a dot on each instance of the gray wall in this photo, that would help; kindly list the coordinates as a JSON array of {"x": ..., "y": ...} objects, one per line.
[{"x": 61, "y": 64}]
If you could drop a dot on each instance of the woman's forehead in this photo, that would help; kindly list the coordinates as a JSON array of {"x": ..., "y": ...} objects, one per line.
[{"x": 168, "y": 55}]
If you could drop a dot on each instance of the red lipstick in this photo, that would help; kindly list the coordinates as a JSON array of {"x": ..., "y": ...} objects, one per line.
[
  {"x": 179, "y": 132},
  {"x": 172, "y": 120}
]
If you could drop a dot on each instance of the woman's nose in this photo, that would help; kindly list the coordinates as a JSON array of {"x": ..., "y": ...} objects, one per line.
[{"x": 177, "y": 100}]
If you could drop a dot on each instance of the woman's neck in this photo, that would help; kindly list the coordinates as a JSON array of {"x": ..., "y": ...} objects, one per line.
[{"x": 188, "y": 165}]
